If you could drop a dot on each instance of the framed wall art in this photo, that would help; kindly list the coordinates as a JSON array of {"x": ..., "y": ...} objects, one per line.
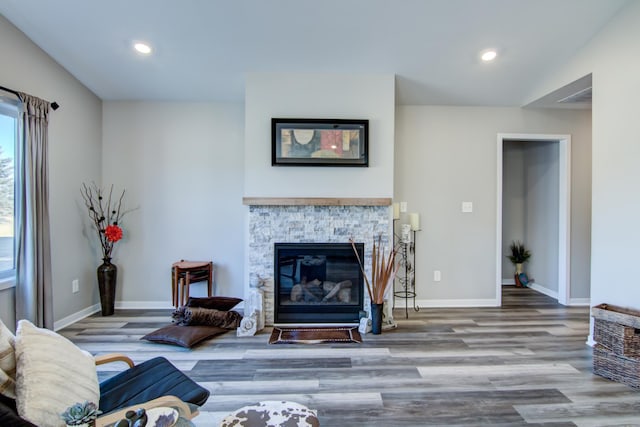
[{"x": 319, "y": 142}]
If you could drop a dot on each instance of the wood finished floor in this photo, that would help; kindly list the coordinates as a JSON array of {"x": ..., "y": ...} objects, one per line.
[{"x": 525, "y": 364}]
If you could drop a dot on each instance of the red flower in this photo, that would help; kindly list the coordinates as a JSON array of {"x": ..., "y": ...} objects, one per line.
[{"x": 113, "y": 233}]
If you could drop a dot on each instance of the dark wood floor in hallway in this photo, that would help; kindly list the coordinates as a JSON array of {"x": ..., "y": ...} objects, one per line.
[{"x": 524, "y": 364}]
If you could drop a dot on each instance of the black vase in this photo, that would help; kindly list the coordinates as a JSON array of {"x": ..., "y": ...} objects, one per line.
[
  {"x": 107, "y": 274},
  {"x": 376, "y": 318}
]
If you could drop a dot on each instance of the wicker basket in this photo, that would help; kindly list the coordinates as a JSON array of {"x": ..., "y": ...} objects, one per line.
[
  {"x": 620, "y": 339},
  {"x": 617, "y": 329},
  {"x": 612, "y": 313},
  {"x": 618, "y": 368}
]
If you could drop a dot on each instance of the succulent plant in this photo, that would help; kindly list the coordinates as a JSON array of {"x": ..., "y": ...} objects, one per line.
[{"x": 80, "y": 413}]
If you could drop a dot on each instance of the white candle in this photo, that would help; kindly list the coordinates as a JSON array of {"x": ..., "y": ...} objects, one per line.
[
  {"x": 406, "y": 233},
  {"x": 414, "y": 220},
  {"x": 396, "y": 211}
]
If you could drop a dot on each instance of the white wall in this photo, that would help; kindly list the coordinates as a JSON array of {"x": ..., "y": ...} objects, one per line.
[
  {"x": 447, "y": 155},
  {"x": 332, "y": 96},
  {"x": 182, "y": 167},
  {"x": 7, "y": 308},
  {"x": 530, "y": 209},
  {"x": 513, "y": 201},
  {"x": 542, "y": 207},
  {"x": 612, "y": 58},
  {"x": 74, "y": 156}
]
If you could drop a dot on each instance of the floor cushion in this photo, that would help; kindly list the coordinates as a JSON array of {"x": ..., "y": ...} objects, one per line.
[
  {"x": 272, "y": 413},
  {"x": 183, "y": 336}
]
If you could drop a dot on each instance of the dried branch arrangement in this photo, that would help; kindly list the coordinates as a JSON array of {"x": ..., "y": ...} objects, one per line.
[
  {"x": 383, "y": 270},
  {"x": 105, "y": 213}
]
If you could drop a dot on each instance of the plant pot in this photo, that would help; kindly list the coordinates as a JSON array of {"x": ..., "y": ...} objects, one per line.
[
  {"x": 107, "y": 274},
  {"x": 376, "y": 318},
  {"x": 516, "y": 279},
  {"x": 518, "y": 268}
]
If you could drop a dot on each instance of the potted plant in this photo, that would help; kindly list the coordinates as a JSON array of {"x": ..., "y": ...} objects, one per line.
[
  {"x": 519, "y": 255},
  {"x": 81, "y": 414}
]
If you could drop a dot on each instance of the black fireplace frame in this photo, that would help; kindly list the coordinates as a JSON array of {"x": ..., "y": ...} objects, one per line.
[{"x": 320, "y": 313}]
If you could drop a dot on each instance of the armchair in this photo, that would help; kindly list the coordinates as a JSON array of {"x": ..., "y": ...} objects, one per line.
[{"x": 153, "y": 383}]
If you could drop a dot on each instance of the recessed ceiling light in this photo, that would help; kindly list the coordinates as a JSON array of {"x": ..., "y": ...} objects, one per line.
[
  {"x": 142, "y": 48},
  {"x": 488, "y": 55}
]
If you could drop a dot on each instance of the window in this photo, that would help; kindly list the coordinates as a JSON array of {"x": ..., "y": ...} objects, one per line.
[{"x": 8, "y": 143}]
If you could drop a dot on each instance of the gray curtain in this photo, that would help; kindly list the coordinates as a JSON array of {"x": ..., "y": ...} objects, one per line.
[{"x": 34, "y": 296}]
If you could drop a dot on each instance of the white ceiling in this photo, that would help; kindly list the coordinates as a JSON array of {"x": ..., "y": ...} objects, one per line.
[{"x": 204, "y": 48}]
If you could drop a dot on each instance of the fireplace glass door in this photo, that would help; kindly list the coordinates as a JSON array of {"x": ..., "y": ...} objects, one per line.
[{"x": 318, "y": 283}]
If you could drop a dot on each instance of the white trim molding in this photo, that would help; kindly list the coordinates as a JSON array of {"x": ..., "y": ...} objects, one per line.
[
  {"x": 564, "y": 211},
  {"x": 7, "y": 283},
  {"x": 399, "y": 303},
  {"x": 96, "y": 308},
  {"x": 580, "y": 302},
  {"x": 75, "y": 317},
  {"x": 543, "y": 290},
  {"x": 132, "y": 305}
]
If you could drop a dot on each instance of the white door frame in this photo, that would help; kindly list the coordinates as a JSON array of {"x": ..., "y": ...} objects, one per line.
[{"x": 564, "y": 214}]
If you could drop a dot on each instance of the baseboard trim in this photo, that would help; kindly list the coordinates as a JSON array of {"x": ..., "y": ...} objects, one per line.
[
  {"x": 399, "y": 303},
  {"x": 75, "y": 317},
  {"x": 580, "y": 301},
  {"x": 548, "y": 292},
  {"x": 577, "y": 302},
  {"x": 132, "y": 305}
]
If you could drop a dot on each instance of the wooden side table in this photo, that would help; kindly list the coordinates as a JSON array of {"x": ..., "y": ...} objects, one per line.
[{"x": 183, "y": 273}]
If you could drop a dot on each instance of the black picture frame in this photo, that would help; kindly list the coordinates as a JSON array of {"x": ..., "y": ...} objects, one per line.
[{"x": 319, "y": 142}]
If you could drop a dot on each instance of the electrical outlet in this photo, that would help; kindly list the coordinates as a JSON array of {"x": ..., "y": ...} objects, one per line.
[
  {"x": 75, "y": 286},
  {"x": 403, "y": 207},
  {"x": 437, "y": 276}
]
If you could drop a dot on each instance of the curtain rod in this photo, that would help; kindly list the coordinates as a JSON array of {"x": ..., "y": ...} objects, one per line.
[{"x": 54, "y": 105}]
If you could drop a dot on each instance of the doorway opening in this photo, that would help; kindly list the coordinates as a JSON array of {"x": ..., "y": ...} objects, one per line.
[{"x": 561, "y": 202}]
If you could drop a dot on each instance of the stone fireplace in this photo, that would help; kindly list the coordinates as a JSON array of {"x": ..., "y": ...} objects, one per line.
[{"x": 310, "y": 221}]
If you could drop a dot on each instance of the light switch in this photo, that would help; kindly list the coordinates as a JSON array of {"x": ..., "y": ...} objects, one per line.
[
  {"x": 403, "y": 207},
  {"x": 467, "y": 207}
]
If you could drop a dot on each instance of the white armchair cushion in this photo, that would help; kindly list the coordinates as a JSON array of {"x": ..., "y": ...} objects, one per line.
[
  {"x": 7, "y": 362},
  {"x": 51, "y": 375}
]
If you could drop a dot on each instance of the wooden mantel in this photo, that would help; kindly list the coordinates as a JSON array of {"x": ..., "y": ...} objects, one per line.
[{"x": 316, "y": 201}]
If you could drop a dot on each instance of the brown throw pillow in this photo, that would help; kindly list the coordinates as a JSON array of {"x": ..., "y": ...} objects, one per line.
[
  {"x": 184, "y": 336},
  {"x": 216, "y": 303},
  {"x": 193, "y": 316}
]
